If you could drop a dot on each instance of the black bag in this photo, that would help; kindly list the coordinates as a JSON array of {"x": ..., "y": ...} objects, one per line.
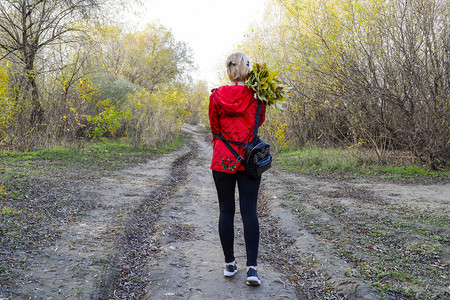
[{"x": 257, "y": 158}]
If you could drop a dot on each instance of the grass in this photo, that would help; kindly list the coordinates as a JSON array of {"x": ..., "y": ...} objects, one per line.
[
  {"x": 104, "y": 155},
  {"x": 310, "y": 159},
  {"x": 315, "y": 160},
  {"x": 430, "y": 219}
]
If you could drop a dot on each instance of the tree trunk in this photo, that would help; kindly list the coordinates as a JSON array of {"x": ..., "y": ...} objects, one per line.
[
  {"x": 37, "y": 112},
  {"x": 29, "y": 51}
]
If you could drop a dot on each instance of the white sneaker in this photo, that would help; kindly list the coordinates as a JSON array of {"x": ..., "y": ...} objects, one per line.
[
  {"x": 230, "y": 270},
  {"x": 252, "y": 277}
]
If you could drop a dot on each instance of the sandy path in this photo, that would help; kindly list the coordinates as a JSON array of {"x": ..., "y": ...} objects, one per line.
[{"x": 190, "y": 265}]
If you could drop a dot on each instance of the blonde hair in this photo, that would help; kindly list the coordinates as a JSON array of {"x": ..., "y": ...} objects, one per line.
[{"x": 238, "y": 66}]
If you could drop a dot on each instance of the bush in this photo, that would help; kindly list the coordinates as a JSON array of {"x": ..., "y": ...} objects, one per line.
[
  {"x": 15, "y": 111},
  {"x": 114, "y": 89},
  {"x": 106, "y": 122},
  {"x": 153, "y": 119},
  {"x": 5, "y": 103},
  {"x": 196, "y": 105}
]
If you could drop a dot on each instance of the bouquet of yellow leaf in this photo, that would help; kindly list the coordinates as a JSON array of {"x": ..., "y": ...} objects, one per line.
[{"x": 267, "y": 87}]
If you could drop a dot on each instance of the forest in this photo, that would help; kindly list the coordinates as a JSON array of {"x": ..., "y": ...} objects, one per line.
[
  {"x": 365, "y": 74},
  {"x": 67, "y": 74},
  {"x": 369, "y": 73}
]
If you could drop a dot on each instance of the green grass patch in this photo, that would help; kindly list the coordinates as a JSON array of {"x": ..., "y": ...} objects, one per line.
[
  {"x": 395, "y": 172},
  {"x": 316, "y": 160},
  {"x": 430, "y": 218},
  {"x": 103, "y": 155},
  {"x": 312, "y": 159}
]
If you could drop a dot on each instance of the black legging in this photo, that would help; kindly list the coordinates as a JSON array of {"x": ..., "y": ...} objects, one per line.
[{"x": 248, "y": 194}]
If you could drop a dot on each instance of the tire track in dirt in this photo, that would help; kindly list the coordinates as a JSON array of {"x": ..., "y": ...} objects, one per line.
[
  {"x": 345, "y": 235},
  {"x": 127, "y": 277},
  {"x": 317, "y": 272},
  {"x": 73, "y": 266}
]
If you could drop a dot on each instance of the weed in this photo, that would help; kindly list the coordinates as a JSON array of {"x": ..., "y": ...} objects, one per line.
[
  {"x": 9, "y": 211},
  {"x": 430, "y": 218},
  {"x": 377, "y": 233}
]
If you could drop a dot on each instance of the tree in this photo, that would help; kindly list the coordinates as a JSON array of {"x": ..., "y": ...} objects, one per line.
[
  {"x": 153, "y": 57},
  {"x": 367, "y": 72},
  {"x": 29, "y": 26},
  {"x": 109, "y": 52}
]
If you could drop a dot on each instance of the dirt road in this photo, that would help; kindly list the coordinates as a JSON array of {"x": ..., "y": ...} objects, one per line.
[{"x": 152, "y": 234}]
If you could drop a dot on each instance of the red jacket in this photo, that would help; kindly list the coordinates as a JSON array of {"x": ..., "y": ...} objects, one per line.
[{"x": 232, "y": 112}]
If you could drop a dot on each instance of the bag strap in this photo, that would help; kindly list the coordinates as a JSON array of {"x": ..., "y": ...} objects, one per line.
[
  {"x": 255, "y": 134},
  {"x": 221, "y": 137},
  {"x": 227, "y": 144},
  {"x": 258, "y": 115}
]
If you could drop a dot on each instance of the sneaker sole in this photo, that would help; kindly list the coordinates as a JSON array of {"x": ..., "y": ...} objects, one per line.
[
  {"x": 253, "y": 281},
  {"x": 229, "y": 274}
]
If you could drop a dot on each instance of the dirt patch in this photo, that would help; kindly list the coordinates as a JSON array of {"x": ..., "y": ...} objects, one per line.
[
  {"x": 126, "y": 277},
  {"x": 34, "y": 214},
  {"x": 72, "y": 262},
  {"x": 367, "y": 239}
]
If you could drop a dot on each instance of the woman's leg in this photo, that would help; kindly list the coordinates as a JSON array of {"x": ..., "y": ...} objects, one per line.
[
  {"x": 248, "y": 196},
  {"x": 226, "y": 185}
]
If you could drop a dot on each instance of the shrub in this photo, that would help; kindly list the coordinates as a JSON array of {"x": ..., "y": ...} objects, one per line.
[
  {"x": 114, "y": 89},
  {"x": 153, "y": 119}
]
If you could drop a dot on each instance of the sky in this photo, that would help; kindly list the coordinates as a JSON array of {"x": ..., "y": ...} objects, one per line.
[{"x": 211, "y": 28}]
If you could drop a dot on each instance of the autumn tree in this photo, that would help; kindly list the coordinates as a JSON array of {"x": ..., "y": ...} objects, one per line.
[
  {"x": 197, "y": 101},
  {"x": 26, "y": 28},
  {"x": 364, "y": 72},
  {"x": 108, "y": 53},
  {"x": 150, "y": 58},
  {"x": 153, "y": 57}
]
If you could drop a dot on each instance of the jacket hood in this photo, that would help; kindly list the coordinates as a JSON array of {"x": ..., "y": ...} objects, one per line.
[{"x": 234, "y": 99}]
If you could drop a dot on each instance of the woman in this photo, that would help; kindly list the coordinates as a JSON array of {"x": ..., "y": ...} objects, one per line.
[{"x": 232, "y": 112}]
